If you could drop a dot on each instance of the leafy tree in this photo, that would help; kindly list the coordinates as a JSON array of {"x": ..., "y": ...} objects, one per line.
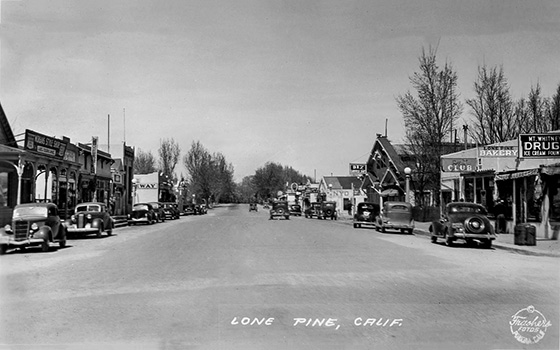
[
  {"x": 144, "y": 162},
  {"x": 553, "y": 111},
  {"x": 492, "y": 108},
  {"x": 169, "y": 152},
  {"x": 273, "y": 177},
  {"x": 428, "y": 117},
  {"x": 210, "y": 175}
]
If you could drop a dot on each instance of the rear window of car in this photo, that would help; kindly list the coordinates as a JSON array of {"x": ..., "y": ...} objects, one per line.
[{"x": 399, "y": 207}]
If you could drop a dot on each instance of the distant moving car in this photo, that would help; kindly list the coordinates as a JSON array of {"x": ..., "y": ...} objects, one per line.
[
  {"x": 33, "y": 224},
  {"x": 280, "y": 209},
  {"x": 465, "y": 221},
  {"x": 91, "y": 217},
  {"x": 395, "y": 216},
  {"x": 313, "y": 210},
  {"x": 328, "y": 211},
  {"x": 171, "y": 210},
  {"x": 253, "y": 207},
  {"x": 366, "y": 213},
  {"x": 295, "y": 209},
  {"x": 142, "y": 213},
  {"x": 189, "y": 209},
  {"x": 158, "y": 210}
]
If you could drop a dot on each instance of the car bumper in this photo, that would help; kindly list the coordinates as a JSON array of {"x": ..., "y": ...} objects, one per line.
[
  {"x": 398, "y": 226},
  {"x": 465, "y": 235},
  {"x": 364, "y": 222},
  {"x": 134, "y": 221},
  {"x": 87, "y": 228},
  {"x": 29, "y": 241}
]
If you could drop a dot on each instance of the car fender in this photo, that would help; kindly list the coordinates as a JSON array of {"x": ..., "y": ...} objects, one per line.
[
  {"x": 436, "y": 228},
  {"x": 97, "y": 223},
  {"x": 44, "y": 232}
]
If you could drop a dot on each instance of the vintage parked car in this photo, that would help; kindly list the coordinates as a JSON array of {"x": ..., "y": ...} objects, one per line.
[
  {"x": 189, "y": 209},
  {"x": 33, "y": 224},
  {"x": 312, "y": 210},
  {"x": 328, "y": 210},
  {"x": 395, "y": 216},
  {"x": 202, "y": 209},
  {"x": 253, "y": 207},
  {"x": 171, "y": 210},
  {"x": 366, "y": 213},
  {"x": 90, "y": 217},
  {"x": 142, "y": 213},
  {"x": 466, "y": 221},
  {"x": 295, "y": 209},
  {"x": 158, "y": 210},
  {"x": 280, "y": 209}
]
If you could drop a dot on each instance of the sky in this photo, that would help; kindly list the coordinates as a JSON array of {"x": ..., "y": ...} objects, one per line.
[{"x": 306, "y": 84}]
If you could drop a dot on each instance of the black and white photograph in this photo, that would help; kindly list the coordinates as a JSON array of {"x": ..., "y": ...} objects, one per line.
[{"x": 279, "y": 174}]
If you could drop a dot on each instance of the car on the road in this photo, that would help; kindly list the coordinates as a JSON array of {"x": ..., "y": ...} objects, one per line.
[
  {"x": 295, "y": 209},
  {"x": 395, "y": 216},
  {"x": 90, "y": 217},
  {"x": 253, "y": 207},
  {"x": 463, "y": 221},
  {"x": 171, "y": 210},
  {"x": 158, "y": 210},
  {"x": 33, "y": 224},
  {"x": 313, "y": 210},
  {"x": 280, "y": 209},
  {"x": 142, "y": 213},
  {"x": 328, "y": 211},
  {"x": 189, "y": 209},
  {"x": 365, "y": 215}
]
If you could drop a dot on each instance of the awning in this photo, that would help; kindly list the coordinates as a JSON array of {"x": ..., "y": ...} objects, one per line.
[
  {"x": 551, "y": 170},
  {"x": 516, "y": 175},
  {"x": 390, "y": 192}
]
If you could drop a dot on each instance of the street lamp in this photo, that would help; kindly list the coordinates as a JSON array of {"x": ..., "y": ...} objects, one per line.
[
  {"x": 407, "y": 172},
  {"x": 134, "y": 187}
]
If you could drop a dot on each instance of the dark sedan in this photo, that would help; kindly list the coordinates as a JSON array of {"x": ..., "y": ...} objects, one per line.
[{"x": 463, "y": 221}]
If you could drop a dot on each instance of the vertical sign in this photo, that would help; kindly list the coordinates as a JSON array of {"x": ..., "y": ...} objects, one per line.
[{"x": 94, "y": 153}]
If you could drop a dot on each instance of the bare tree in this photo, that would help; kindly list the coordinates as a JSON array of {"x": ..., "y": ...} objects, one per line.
[
  {"x": 144, "y": 162},
  {"x": 554, "y": 110},
  {"x": 492, "y": 108},
  {"x": 169, "y": 152},
  {"x": 428, "y": 118},
  {"x": 536, "y": 108}
]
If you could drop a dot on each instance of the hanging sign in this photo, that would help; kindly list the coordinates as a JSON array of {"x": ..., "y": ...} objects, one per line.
[
  {"x": 49, "y": 146},
  {"x": 539, "y": 145}
]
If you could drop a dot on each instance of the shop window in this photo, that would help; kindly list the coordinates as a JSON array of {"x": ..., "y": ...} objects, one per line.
[{"x": 554, "y": 195}]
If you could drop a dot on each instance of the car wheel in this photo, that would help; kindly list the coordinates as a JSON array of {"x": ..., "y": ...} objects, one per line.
[
  {"x": 487, "y": 244},
  {"x": 62, "y": 243},
  {"x": 410, "y": 231},
  {"x": 109, "y": 232},
  {"x": 45, "y": 246},
  {"x": 383, "y": 229},
  {"x": 3, "y": 249},
  {"x": 287, "y": 217},
  {"x": 434, "y": 239},
  {"x": 355, "y": 225},
  {"x": 99, "y": 231}
]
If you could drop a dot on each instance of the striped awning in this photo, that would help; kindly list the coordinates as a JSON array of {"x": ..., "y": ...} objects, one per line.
[{"x": 516, "y": 174}]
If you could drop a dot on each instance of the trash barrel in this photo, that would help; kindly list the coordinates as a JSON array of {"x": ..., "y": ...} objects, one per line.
[
  {"x": 530, "y": 235},
  {"x": 520, "y": 232}
]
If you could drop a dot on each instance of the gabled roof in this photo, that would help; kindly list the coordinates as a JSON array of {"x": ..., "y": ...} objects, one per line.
[
  {"x": 6, "y": 134},
  {"x": 343, "y": 182},
  {"x": 391, "y": 153},
  {"x": 117, "y": 165}
]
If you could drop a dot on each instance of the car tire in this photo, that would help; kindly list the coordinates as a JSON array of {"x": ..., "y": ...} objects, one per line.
[
  {"x": 487, "y": 244},
  {"x": 99, "y": 231},
  {"x": 383, "y": 229},
  {"x": 434, "y": 239},
  {"x": 45, "y": 247},
  {"x": 62, "y": 243},
  {"x": 3, "y": 249}
]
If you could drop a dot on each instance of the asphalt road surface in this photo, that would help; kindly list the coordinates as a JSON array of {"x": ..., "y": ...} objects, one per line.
[{"x": 232, "y": 279}]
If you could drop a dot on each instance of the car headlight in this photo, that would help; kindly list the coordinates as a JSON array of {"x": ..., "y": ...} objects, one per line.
[
  {"x": 34, "y": 227},
  {"x": 8, "y": 228},
  {"x": 88, "y": 216},
  {"x": 73, "y": 218}
]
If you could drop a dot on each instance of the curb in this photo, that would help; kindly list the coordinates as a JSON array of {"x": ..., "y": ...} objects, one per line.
[{"x": 498, "y": 245}]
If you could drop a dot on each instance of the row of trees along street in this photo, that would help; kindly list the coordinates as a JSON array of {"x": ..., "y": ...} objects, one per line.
[
  {"x": 431, "y": 116},
  {"x": 209, "y": 175}
]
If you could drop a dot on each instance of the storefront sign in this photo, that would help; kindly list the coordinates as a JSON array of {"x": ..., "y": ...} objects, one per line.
[
  {"x": 46, "y": 145},
  {"x": 458, "y": 164},
  {"x": 498, "y": 151},
  {"x": 539, "y": 145},
  {"x": 357, "y": 168}
]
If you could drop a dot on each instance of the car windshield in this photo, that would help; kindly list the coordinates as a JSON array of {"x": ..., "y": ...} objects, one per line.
[
  {"x": 399, "y": 207},
  {"x": 88, "y": 208},
  {"x": 30, "y": 211},
  {"x": 367, "y": 207},
  {"x": 467, "y": 209},
  {"x": 141, "y": 207}
]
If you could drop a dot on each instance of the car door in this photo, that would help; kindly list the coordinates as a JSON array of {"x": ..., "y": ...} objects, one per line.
[{"x": 53, "y": 221}]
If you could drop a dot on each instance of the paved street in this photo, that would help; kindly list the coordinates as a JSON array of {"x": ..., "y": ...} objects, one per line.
[{"x": 232, "y": 279}]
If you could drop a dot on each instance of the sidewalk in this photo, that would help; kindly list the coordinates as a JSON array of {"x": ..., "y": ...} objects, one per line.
[{"x": 544, "y": 247}]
